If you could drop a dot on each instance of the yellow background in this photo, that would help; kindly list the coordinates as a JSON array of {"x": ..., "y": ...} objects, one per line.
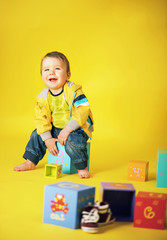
[{"x": 118, "y": 53}]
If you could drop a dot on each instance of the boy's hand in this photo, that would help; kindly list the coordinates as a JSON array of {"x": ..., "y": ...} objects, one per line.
[
  {"x": 51, "y": 145},
  {"x": 63, "y": 135}
]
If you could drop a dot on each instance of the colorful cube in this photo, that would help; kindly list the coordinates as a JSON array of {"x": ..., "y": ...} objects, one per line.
[
  {"x": 53, "y": 170},
  {"x": 138, "y": 170},
  {"x": 121, "y": 197},
  {"x": 162, "y": 168},
  {"x": 63, "y": 203},
  {"x": 65, "y": 160},
  {"x": 150, "y": 210}
]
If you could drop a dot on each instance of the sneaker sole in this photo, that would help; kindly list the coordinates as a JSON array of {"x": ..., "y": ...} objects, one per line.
[
  {"x": 105, "y": 223},
  {"x": 90, "y": 230}
]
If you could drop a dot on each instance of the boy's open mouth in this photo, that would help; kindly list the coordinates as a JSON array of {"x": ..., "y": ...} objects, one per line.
[{"x": 52, "y": 79}]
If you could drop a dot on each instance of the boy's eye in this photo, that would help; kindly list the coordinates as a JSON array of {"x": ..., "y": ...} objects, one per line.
[
  {"x": 57, "y": 68},
  {"x": 47, "y": 69}
]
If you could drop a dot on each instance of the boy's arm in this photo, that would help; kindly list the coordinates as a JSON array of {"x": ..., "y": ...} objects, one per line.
[
  {"x": 80, "y": 110},
  {"x": 43, "y": 120},
  {"x": 44, "y": 126},
  {"x": 79, "y": 116},
  {"x": 51, "y": 146}
]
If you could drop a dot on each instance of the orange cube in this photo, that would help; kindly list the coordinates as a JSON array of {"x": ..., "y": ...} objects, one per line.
[{"x": 138, "y": 170}]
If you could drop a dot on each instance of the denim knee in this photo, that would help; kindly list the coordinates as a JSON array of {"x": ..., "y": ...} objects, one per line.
[
  {"x": 35, "y": 149},
  {"x": 77, "y": 150},
  {"x": 77, "y": 141}
]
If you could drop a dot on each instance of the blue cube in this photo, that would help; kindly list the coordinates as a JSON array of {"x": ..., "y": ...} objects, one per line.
[
  {"x": 65, "y": 160},
  {"x": 64, "y": 201},
  {"x": 121, "y": 198},
  {"x": 162, "y": 168}
]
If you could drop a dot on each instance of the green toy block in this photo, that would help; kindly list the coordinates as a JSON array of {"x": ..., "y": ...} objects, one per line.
[
  {"x": 53, "y": 170},
  {"x": 162, "y": 168}
]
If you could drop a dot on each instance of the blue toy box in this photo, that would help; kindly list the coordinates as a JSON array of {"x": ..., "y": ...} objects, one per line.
[
  {"x": 65, "y": 160},
  {"x": 162, "y": 168},
  {"x": 63, "y": 203},
  {"x": 121, "y": 197}
]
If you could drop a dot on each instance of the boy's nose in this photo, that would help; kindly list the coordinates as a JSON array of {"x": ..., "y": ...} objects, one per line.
[{"x": 52, "y": 71}]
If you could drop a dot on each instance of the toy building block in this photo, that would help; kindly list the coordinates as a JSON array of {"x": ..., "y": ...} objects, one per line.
[
  {"x": 53, "y": 170},
  {"x": 138, "y": 170},
  {"x": 64, "y": 201},
  {"x": 150, "y": 210},
  {"x": 121, "y": 197},
  {"x": 162, "y": 168},
  {"x": 65, "y": 160}
]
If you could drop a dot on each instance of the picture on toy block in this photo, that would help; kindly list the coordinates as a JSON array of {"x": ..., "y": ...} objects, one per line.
[
  {"x": 59, "y": 204},
  {"x": 162, "y": 168},
  {"x": 59, "y": 171},
  {"x": 138, "y": 170},
  {"x": 60, "y": 157},
  {"x": 150, "y": 210}
]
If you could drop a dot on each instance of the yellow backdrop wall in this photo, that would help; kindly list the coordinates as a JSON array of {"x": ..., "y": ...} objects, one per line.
[{"x": 117, "y": 51}]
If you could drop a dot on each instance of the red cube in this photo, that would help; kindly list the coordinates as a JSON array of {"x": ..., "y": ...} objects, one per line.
[{"x": 150, "y": 210}]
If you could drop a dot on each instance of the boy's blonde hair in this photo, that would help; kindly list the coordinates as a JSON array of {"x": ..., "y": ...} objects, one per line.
[{"x": 59, "y": 56}]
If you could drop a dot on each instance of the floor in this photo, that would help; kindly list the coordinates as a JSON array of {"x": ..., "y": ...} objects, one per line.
[{"x": 21, "y": 202}]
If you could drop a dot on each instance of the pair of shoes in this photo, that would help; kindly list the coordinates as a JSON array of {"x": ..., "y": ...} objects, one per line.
[{"x": 94, "y": 216}]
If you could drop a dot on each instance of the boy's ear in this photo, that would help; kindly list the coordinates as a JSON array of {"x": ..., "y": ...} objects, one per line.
[{"x": 68, "y": 75}]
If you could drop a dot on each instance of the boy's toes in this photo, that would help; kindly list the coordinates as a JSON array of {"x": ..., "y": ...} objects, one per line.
[
  {"x": 83, "y": 173},
  {"x": 28, "y": 165}
]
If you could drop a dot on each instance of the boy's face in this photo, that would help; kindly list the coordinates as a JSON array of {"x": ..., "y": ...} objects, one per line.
[{"x": 54, "y": 74}]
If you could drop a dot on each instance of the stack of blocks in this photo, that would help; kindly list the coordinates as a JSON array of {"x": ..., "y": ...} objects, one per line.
[
  {"x": 65, "y": 160},
  {"x": 150, "y": 210},
  {"x": 121, "y": 197},
  {"x": 63, "y": 203},
  {"x": 138, "y": 170},
  {"x": 162, "y": 169}
]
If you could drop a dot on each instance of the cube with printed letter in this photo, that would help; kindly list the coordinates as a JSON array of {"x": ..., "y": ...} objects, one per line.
[
  {"x": 150, "y": 210},
  {"x": 63, "y": 203},
  {"x": 121, "y": 197},
  {"x": 65, "y": 160},
  {"x": 138, "y": 170},
  {"x": 162, "y": 168}
]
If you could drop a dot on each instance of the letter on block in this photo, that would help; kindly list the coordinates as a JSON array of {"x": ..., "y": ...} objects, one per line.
[
  {"x": 53, "y": 170},
  {"x": 150, "y": 210},
  {"x": 64, "y": 201},
  {"x": 162, "y": 168},
  {"x": 121, "y": 197},
  {"x": 65, "y": 160},
  {"x": 138, "y": 170}
]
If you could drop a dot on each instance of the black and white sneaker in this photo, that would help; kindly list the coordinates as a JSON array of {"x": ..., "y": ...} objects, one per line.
[
  {"x": 95, "y": 216},
  {"x": 105, "y": 214},
  {"x": 89, "y": 219}
]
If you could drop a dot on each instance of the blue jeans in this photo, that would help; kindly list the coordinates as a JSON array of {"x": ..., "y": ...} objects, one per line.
[{"x": 75, "y": 147}]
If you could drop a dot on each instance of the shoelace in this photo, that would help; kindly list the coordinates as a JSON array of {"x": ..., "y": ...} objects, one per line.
[{"x": 91, "y": 216}]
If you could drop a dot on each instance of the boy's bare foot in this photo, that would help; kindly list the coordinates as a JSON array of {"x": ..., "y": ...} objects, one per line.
[
  {"x": 28, "y": 165},
  {"x": 83, "y": 173}
]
